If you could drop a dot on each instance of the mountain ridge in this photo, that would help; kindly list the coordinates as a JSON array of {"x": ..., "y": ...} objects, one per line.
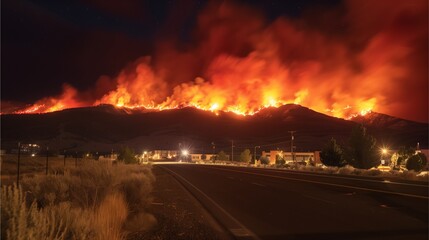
[{"x": 105, "y": 127}]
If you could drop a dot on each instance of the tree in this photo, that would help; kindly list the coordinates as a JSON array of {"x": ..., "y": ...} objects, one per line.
[
  {"x": 332, "y": 154},
  {"x": 127, "y": 155},
  {"x": 264, "y": 160},
  {"x": 245, "y": 156},
  {"x": 362, "y": 152},
  {"x": 280, "y": 160},
  {"x": 222, "y": 156},
  {"x": 394, "y": 161},
  {"x": 416, "y": 162},
  {"x": 400, "y": 158}
]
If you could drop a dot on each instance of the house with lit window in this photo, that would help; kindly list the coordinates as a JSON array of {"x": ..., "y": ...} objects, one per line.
[
  {"x": 161, "y": 154},
  {"x": 297, "y": 157}
]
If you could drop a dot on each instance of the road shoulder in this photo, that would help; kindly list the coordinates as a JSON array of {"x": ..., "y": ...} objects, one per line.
[{"x": 179, "y": 214}]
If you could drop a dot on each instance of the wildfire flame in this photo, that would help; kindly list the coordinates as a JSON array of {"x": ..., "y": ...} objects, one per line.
[{"x": 243, "y": 63}]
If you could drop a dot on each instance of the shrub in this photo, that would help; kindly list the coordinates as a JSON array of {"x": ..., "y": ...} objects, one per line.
[
  {"x": 346, "y": 170},
  {"x": 280, "y": 160},
  {"x": 222, "y": 156},
  {"x": 332, "y": 154},
  {"x": 416, "y": 162},
  {"x": 245, "y": 156},
  {"x": 26, "y": 221},
  {"x": 264, "y": 160},
  {"x": 127, "y": 155},
  {"x": 94, "y": 201}
]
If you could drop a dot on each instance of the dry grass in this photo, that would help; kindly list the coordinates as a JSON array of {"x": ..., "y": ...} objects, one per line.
[
  {"x": 34, "y": 164},
  {"x": 94, "y": 201}
]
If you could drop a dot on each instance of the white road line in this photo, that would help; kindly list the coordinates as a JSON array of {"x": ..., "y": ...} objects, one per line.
[
  {"x": 242, "y": 231},
  {"x": 348, "y": 178},
  {"x": 331, "y": 176},
  {"x": 329, "y": 184}
]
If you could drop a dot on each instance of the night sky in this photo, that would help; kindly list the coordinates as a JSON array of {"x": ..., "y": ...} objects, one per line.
[{"x": 48, "y": 43}]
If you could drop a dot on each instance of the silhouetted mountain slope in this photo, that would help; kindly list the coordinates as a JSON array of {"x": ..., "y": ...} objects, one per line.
[{"x": 105, "y": 127}]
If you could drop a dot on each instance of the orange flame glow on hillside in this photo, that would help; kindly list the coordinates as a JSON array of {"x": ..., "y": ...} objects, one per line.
[
  {"x": 251, "y": 85},
  {"x": 243, "y": 63}
]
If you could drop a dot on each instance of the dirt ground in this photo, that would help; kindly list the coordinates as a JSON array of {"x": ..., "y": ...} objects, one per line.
[{"x": 178, "y": 214}]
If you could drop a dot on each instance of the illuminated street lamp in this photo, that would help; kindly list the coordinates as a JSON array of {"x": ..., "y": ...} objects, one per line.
[
  {"x": 384, "y": 151},
  {"x": 185, "y": 154}
]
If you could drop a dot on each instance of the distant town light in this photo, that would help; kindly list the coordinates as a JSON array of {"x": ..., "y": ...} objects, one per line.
[
  {"x": 384, "y": 151},
  {"x": 33, "y": 154},
  {"x": 185, "y": 152}
]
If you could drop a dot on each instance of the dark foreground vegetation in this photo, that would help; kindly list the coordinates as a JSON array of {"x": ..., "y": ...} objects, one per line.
[{"x": 97, "y": 200}]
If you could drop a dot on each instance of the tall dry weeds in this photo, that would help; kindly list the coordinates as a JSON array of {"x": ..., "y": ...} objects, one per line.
[{"x": 95, "y": 201}]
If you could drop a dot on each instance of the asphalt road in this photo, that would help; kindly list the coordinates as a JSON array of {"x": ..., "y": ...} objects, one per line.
[{"x": 275, "y": 204}]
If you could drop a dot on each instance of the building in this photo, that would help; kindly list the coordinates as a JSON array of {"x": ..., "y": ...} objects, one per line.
[
  {"x": 299, "y": 157},
  {"x": 28, "y": 148},
  {"x": 161, "y": 154},
  {"x": 200, "y": 156}
]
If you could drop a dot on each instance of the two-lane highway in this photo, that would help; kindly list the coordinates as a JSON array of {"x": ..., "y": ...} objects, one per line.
[{"x": 276, "y": 204}]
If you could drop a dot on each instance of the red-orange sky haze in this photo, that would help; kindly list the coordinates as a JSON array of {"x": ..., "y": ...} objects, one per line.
[{"x": 342, "y": 59}]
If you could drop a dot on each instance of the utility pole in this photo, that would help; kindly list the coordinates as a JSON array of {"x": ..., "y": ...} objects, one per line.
[
  {"x": 179, "y": 152},
  {"x": 19, "y": 157},
  {"x": 214, "y": 149},
  {"x": 291, "y": 145},
  {"x": 255, "y": 152},
  {"x": 47, "y": 156},
  {"x": 232, "y": 151}
]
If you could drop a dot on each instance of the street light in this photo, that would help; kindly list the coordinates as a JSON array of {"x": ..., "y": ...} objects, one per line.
[
  {"x": 255, "y": 152},
  {"x": 185, "y": 154},
  {"x": 384, "y": 152}
]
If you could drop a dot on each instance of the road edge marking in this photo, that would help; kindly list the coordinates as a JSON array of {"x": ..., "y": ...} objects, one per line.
[
  {"x": 236, "y": 232},
  {"x": 325, "y": 175},
  {"x": 329, "y": 184}
]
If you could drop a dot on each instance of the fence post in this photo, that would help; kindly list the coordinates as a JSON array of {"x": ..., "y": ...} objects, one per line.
[
  {"x": 19, "y": 156},
  {"x": 47, "y": 156}
]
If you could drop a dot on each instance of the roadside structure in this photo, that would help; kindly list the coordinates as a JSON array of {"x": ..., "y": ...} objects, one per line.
[{"x": 297, "y": 157}]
